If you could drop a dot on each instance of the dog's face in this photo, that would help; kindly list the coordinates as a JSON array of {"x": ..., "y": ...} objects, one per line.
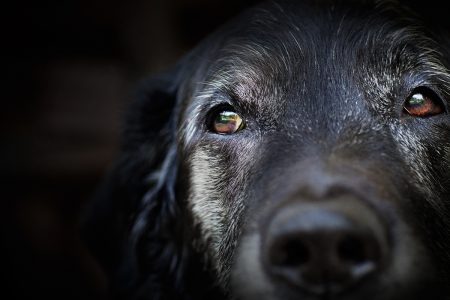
[
  {"x": 316, "y": 153},
  {"x": 304, "y": 153}
]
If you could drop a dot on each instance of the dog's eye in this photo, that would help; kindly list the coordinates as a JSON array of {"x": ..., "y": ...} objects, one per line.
[
  {"x": 423, "y": 103},
  {"x": 227, "y": 122}
]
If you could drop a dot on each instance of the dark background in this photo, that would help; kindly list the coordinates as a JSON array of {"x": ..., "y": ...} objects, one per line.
[
  {"x": 69, "y": 70},
  {"x": 71, "y": 67}
]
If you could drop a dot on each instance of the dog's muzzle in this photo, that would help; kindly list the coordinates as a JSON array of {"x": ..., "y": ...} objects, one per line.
[{"x": 324, "y": 247}]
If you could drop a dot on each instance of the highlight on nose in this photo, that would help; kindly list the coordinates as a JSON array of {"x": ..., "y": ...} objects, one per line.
[{"x": 322, "y": 251}]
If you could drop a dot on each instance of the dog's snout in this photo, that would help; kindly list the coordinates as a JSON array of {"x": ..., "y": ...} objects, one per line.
[{"x": 324, "y": 250}]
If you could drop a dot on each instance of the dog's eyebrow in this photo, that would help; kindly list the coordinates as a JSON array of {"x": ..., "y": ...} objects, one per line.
[
  {"x": 247, "y": 67},
  {"x": 404, "y": 51},
  {"x": 268, "y": 60},
  {"x": 251, "y": 68}
]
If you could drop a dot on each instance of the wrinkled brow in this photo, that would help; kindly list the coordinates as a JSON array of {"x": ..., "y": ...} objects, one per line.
[{"x": 250, "y": 70}]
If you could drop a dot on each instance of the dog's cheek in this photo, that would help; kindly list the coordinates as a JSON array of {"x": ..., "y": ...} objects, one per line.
[
  {"x": 248, "y": 280},
  {"x": 219, "y": 176},
  {"x": 416, "y": 157},
  {"x": 447, "y": 159},
  {"x": 424, "y": 159}
]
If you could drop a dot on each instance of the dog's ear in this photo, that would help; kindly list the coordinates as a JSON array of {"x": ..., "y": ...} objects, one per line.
[{"x": 136, "y": 202}]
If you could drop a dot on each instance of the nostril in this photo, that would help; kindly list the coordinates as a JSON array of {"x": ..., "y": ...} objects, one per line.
[
  {"x": 323, "y": 251},
  {"x": 358, "y": 255},
  {"x": 351, "y": 250},
  {"x": 290, "y": 253}
]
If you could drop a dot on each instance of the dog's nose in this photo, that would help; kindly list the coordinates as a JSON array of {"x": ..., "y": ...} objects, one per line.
[{"x": 324, "y": 251}]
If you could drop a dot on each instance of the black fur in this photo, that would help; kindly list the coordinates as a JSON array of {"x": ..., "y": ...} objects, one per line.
[{"x": 140, "y": 226}]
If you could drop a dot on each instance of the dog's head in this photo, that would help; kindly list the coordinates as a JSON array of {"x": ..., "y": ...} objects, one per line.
[{"x": 302, "y": 152}]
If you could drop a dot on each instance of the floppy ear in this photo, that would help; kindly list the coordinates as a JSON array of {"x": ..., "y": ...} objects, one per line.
[{"x": 132, "y": 222}]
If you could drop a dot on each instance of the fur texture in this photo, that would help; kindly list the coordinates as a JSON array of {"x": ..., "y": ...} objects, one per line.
[{"x": 321, "y": 87}]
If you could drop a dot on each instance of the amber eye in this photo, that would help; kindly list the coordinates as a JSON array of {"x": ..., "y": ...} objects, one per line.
[
  {"x": 227, "y": 122},
  {"x": 423, "y": 103}
]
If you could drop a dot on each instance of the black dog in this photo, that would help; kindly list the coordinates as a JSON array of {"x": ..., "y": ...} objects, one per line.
[{"x": 302, "y": 152}]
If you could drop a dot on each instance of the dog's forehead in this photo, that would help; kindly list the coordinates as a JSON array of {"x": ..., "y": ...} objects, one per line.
[
  {"x": 307, "y": 66},
  {"x": 283, "y": 50}
]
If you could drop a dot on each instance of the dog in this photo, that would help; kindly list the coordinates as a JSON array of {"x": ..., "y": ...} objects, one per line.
[{"x": 300, "y": 152}]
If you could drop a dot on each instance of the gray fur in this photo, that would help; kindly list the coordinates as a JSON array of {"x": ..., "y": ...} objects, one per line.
[
  {"x": 321, "y": 87},
  {"x": 267, "y": 78}
]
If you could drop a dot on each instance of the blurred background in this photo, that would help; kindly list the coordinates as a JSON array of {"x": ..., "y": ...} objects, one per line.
[{"x": 71, "y": 67}]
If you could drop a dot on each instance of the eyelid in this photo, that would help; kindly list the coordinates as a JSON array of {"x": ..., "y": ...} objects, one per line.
[{"x": 220, "y": 102}]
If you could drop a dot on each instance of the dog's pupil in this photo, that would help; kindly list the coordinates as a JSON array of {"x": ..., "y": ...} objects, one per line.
[
  {"x": 417, "y": 100},
  {"x": 227, "y": 122},
  {"x": 420, "y": 105}
]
